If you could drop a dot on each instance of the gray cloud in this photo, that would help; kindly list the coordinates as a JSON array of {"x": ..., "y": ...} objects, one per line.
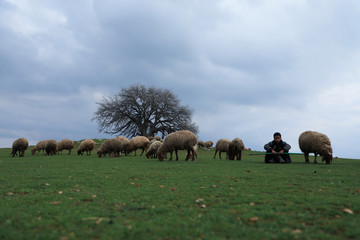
[{"x": 247, "y": 68}]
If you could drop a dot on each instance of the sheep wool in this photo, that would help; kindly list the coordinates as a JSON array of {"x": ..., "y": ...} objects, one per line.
[
  {"x": 86, "y": 146},
  {"x": 201, "y": 144},
  {"x": 112, "y": 146},
  {"x": 39, "y": 146},
  {"x": 65, "y": 144},
  {"x": 180, "y": 140},
  {"x": 138, "y": 142},
  {"x": 222, "y": 145},
  {"x": 19, "y": 145},
  {"x": 50, "y": 147},
  {"x": 317, "y": 143},
  {"x": 208, "y": 144},
  {"x": 235, "y": 149},
  {"x": 154, "y": 147}
]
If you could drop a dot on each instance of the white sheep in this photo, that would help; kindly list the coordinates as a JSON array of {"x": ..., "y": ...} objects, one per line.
[
  {"x": 180, "y": 140},
  {"x": 39, "y": 146},
  {"x": 152, "y": 150},
  {"x": 222, "y": 145},
  {"x": 208, "y": 144},
  {"x": 317, "y": 143},
  {"x": 138, "y": 142},
  {"x": 86, "y": 146},
  {"x": 110, "y": 146},
  {"x": 65, "y": 144},
  {"x": 201, "y": 144}
]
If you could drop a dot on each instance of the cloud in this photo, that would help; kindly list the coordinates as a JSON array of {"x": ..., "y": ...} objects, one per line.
[{"x": 247, "y": 68}]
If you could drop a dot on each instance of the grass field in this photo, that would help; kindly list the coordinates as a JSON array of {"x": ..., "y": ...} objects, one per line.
[{"x": 81, "y": 197}]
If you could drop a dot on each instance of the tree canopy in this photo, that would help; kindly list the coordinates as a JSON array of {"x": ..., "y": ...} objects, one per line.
[{"x": 146, "y": 111}]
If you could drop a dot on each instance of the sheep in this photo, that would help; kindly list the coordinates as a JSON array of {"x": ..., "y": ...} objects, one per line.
[
  {"x": 66, "y": 144},
  {"x": 125, "y": 143},
  {"x": 222, "y": 145},
  {"x": 19, "y": 145},
  {"x": 154, "y": 147},
  {"x": 110, "y": 146},
  {"x": 201, "y": 144},
  {"x": 235, "y": 148},
  {"x": 136, "y": 143},
  {"x": 208, "y": 144},
  {"x": 317, "y": 143},
  {"x": 180, "y": 140},
  {"x": 86, "y": 146},
  {"x": 156, "y": 138},
  {"x": 50, "y": 147},
  {"x": 39, "y": 146}
]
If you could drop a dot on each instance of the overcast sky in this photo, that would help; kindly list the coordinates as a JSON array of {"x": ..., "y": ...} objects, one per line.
[{"x": 248, "y": 68}]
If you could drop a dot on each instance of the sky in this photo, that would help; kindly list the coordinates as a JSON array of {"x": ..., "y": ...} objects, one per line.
[{"x": 248, "y": 68}]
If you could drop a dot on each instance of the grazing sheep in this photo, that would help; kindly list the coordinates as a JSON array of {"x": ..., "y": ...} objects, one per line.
[
  {"x": 86, "y": 146},
  {"x": 19, "y": 145},
  {"x": 180, "y": 140},
  {"x": 136, "y": 143},
  {"x": 155, "y": 138},
  {"x": 125, "y": 143},
  {"x": 317, "y": 143},
  {"x": 39, "y": 146},
  {"x": 235, "y": 148},
  {"x": 154, "y": 147},
  {"x": 110, "y": 146},
  {"x": 65, "y": 144},
  {"x": 222, "y": 145},
  {"x": 208, "y": 144},
  {"x": 201, "y": 144},
  {"x": 50, "y": 147}
]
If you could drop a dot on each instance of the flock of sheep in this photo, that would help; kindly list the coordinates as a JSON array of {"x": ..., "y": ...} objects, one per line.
[{"x": 155, "y": 147}]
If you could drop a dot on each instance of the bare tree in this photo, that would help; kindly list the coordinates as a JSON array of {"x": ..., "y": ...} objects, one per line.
[{"x": 139, "y": 110}]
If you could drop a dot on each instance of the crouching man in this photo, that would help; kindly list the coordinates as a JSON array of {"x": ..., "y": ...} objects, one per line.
[{"x": 276, "y": 150}]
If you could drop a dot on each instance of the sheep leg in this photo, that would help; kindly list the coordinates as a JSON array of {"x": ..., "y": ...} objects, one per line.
[
  {"x": 215, "y": 153},
  {"x": 315, "y": 154},
  {"x": 306, "y": 155},
  {"x": 142, "y": 152},
  {"x": 177, "y": 157},
  {"x": 220, "y": 154},
  {"x": 193, "y": 154},
  {"x": 239, "y": 156},
  {"x": 171, "y": 153}
]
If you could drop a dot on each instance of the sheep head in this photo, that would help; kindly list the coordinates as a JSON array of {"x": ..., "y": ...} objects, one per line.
[{"x": 327, "y": 154}]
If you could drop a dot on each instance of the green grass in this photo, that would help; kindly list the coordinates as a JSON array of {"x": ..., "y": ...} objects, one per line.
[{"x": 81, "y": 197}]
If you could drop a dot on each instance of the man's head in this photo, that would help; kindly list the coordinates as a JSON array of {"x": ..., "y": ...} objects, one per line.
[{"x": 277, "y": 137}]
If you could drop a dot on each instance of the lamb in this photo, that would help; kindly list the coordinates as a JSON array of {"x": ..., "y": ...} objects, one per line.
[
  {"x": 222, "y": 145},
  {"x": 180, "y": 140},
  {"x": 39, "y": 146},
  {"x": 110, "y": 146},
  {"x": 86, "y": 146},
  {"x": 136, "y": 143},
  {"x": 317, "y": 143},
  {"x": 19, "y": 145},
  {"x": 235, "y": 148},
  {"x": 208, "y": 144},
  {"x": 154, "y": 147},
  {"x": 50, "y": 147},
  {"x": 65, "y": 144}
]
